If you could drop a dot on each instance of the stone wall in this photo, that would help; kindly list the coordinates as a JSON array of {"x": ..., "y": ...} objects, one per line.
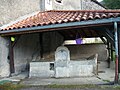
[
  {"x": 76, "y": 5},
  {"x": 4, "y": 62},
  {"x": 12, "y": 9},
  {"x": 79, "y": 68},
  {"x": 41, "y": 69},
  {"x": 27, "y": 49},
  {"x": 52, "y": 40},
  {"x": 86, "y": 50},
  {"x": 86, "y": 67}
]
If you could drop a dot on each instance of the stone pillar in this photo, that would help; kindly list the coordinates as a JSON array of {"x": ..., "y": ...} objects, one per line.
[
  {"x": 62, "y": 60},
  {"x": 4, "y": 62}
]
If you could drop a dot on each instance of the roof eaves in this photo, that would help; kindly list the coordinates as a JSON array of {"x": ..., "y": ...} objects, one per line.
[{"x": 63, "y": 25}]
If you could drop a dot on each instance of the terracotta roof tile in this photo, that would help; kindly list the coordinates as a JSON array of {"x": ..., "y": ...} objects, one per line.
[{"x": 54, "y": 17}]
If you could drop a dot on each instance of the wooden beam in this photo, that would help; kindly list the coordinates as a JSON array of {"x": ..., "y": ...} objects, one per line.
[
  {"x": 11, "y": 57},
  {"x": 101, "y": 37},
  {"x": 104, "y": 41},
  {"x": 105, "y": 34},
  {"x": 79, "y": 31},
  {"x": 99, "y": 33},
  {"x": 62, "y": 34},
  {"x": 108, "y": 60},
  {"x": 91, "y": 33},
  {"x": 110, "y": 33},
  {"x": 112, "y": 52},
  {"x": 41, "y": 44},
  {"x": 109, "y": 38},
  {"x": 16, "y": 39}
]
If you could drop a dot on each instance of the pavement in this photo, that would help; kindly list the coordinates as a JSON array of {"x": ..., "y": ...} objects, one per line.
[
  {"x": 63, "y": 81},
  {"x": 105, "y": 73},
  {"x": 105, "y": 76}
]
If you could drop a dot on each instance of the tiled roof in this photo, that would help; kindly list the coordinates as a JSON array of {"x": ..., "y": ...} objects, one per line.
[{"x": 58, "y": 17}]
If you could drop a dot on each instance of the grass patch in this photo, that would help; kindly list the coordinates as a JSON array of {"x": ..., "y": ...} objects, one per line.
[
  {"x": 86, "y": 86},
  {"x": 116, "y": 87},
  {"x": 10, "y": 86},
  {"x": 74, "y": 86},
  {"x": 4, "y": 81},
  {"x": 104, "y": 79}
]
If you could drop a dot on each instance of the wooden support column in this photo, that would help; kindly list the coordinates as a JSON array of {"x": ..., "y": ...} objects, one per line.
[
  {"x": 41, "y": 44},
  {"x": 11, "y": 53},
  {"x": 11, "y": 57},
  {"x": 111, "y": 52},
  {"x": 109, "y": 57}
]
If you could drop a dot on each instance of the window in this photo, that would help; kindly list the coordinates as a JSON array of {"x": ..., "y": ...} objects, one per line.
[
  {"x": 59, "y": 1},
  {"x": 51, "y": 66}
]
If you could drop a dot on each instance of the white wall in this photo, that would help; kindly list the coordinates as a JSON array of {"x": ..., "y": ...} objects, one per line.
[
  {"x": 4, "y": 62},
  {"x": 26, "y": 49},
  {"x": 40, "y": 69},
  {"x": 74, "y": 69},
  {"x": 67, "y": 5},
  {"x": 86, "y": 50},
  {"x": 76, "y": 5}
]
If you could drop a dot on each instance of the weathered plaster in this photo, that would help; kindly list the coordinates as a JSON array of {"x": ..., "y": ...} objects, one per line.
[
  {"x": 12, "y": 9},
  {"x": 4, "y": 62},
  {"x": 86, "y": 50},
  {"x": 27, "y": 49}
]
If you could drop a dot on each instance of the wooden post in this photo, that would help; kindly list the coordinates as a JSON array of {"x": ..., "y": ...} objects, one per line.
[
  {"x": 112, "y": 52},
  {"x": 109, "y": 57},
  {"x": 41, "y": 44},
  {"x": 11, "y": 57}
]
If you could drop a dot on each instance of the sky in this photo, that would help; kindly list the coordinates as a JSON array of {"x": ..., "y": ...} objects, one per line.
[{"x": 99, "y": 0}]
